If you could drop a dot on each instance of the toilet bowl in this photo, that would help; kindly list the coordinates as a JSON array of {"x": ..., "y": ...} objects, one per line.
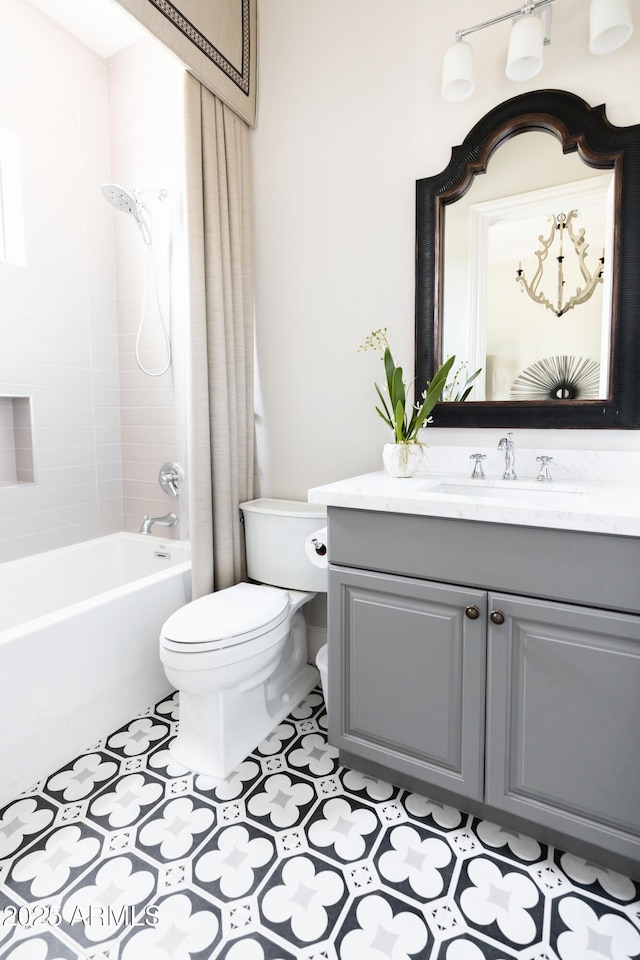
[{"x": 239, "y": 656}]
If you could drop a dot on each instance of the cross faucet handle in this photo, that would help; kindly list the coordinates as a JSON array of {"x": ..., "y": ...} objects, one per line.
[
  {"x": 478, "y": 472},
  {"x": 544, "y": 476}
]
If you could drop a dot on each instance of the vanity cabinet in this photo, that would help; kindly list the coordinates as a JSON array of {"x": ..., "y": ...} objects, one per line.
[
  {"x": 494, "y": 667},
  {"x": 414, "y": 664},
  {"x": 563, "y": 716}
]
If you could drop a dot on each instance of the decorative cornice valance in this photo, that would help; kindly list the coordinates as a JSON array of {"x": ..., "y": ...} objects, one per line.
[{"x": 216, "y": 41}]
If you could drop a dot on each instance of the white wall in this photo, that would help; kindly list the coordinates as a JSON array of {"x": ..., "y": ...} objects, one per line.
[
  {"x": 58, "y": 331},
  {"x": 350, "y": 115}
]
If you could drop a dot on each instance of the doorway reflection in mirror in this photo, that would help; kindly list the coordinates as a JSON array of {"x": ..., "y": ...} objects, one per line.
[{"x": 493, "y": 228}]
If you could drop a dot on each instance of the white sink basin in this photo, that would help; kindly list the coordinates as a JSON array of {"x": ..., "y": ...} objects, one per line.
[{"x": 504, "y": 490}]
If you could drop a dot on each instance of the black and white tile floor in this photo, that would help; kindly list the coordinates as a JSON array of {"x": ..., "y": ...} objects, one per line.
[{"x": 123, "y": 854}]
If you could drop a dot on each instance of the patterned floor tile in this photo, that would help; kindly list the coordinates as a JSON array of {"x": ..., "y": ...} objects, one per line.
[
  {"x": 501, "y": 901},
  {"x": 122, "y": 854}
]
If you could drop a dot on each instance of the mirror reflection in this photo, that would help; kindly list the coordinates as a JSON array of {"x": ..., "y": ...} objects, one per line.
[
  {"x": 527, "y": 289},
  {"x": 563, "y": 352}
]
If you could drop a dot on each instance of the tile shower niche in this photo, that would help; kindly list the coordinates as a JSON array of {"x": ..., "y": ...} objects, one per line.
[{"x": 16, "y": 441}]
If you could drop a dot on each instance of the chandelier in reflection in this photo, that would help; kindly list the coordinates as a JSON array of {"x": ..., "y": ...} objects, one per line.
[{"x": 561, "y": 225}]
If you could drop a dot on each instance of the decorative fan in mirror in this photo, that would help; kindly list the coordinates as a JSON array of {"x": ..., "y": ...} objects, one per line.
[{"x": 558, "y": 378}]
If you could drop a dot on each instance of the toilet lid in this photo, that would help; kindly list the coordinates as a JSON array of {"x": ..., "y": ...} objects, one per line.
[{"x": 228, "y": 617}]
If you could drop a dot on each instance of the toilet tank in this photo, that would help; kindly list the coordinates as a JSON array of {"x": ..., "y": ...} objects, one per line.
[{"x": 275, "y": 533}]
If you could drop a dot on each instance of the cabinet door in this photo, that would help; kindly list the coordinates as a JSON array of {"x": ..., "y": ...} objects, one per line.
[
  {"x": 563, "y": 709},
  {"x": 407, "y": 676}
]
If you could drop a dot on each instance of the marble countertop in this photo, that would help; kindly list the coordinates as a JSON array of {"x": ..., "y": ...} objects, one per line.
[{"x": 597, "y": 507}]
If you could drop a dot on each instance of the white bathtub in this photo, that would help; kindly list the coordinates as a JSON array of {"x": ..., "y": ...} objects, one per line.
[{"x": 79, "y": 657}]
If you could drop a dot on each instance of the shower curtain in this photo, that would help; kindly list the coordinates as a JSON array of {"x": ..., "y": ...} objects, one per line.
[{"x": 222, "y": 431}]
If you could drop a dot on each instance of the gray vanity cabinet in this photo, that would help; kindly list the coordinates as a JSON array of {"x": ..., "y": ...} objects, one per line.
[
  {"x": 470, "y": 662},
  {"x": 412, "y": 667},
  {"x": 563, "y": 718}
]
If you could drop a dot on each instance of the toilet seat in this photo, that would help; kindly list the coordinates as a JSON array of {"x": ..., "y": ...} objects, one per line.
[{"x": 228, "y": 618}]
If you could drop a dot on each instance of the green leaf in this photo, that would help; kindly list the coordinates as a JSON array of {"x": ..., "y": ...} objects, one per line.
[
  {"x": 434, "y": 392},
  {"x": 384, "y": 403},
  {"x": 466, "y": 388},
  {"x": 400, "y": 433},
  {"x": 389, "y": 369},
  {"x": 397, "y": 390},
  {"x": 386, "y": 419}
]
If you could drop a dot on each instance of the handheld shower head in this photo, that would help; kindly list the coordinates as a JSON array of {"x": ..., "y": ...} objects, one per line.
[{"x": 128, "y": 202}]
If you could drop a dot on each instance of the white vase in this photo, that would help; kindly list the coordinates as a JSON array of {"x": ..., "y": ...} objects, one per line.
[{"x": 402, "y": 459}]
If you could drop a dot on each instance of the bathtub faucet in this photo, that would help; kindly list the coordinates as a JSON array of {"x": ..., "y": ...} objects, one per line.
[{"x": 169, "y": 521}]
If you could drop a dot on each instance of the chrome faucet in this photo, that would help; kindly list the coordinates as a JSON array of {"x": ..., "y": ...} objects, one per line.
[
  {"x": 509, "y": 448},
  {"x": 544, "y": 475},
  {"x": 170, "y": 520}
]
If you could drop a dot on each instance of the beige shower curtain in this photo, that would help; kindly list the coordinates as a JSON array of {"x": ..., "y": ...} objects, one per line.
[{"x": 221, "y": 434}]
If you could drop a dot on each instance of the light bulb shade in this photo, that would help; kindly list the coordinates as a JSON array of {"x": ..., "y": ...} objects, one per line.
[
  {"x": 457, "y": 72},
  {"x": 526, "y": 44},
  {"x": 609, "y": 25}
]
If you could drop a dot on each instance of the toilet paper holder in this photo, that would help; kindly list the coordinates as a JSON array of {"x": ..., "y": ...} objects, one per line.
[
  {"x": 319, "y": 547},
  {"x": 315, "y": 548}
]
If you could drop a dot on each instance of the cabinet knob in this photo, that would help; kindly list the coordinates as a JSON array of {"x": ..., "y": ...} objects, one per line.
[
  {"x": 472, "y": 612},
  {"x": 497, "y": 616}
]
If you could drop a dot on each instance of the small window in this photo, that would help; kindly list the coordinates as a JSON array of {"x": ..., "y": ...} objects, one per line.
[{"x": 12, "y": 248}]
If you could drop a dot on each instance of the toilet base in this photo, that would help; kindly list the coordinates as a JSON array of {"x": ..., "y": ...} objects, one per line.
[{"x": 218, "y": 731}]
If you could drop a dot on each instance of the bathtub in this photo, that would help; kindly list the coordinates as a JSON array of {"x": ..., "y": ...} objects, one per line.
[{"x": 86, "y": 659}]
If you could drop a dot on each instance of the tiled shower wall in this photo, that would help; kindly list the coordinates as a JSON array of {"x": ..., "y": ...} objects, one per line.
[
  {"x": 58, "y": 330},
  {"x": 146, "y": 154},
  {"x": 99, "y": 430}
]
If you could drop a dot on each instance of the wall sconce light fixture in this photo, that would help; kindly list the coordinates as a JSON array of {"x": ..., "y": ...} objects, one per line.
[
  {"x": 610, "y": 27},
  {"x": 561, "y": 223}
]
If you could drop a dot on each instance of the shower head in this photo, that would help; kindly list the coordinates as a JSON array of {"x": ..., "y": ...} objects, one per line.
[{"x": 128, "y": 202}]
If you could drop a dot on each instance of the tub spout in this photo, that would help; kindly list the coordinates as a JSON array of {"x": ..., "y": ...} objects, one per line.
[{"x": 170, "y": 520}]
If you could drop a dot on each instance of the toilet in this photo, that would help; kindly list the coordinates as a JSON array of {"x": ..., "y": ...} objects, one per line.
[{"x": 239, "y": 656}]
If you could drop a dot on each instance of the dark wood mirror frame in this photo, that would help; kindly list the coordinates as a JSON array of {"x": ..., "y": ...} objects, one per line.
[{"x": 600, "y": 144}]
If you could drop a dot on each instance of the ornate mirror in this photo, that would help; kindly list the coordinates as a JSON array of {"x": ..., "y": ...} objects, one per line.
[{"x": 527, "y": 269}]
